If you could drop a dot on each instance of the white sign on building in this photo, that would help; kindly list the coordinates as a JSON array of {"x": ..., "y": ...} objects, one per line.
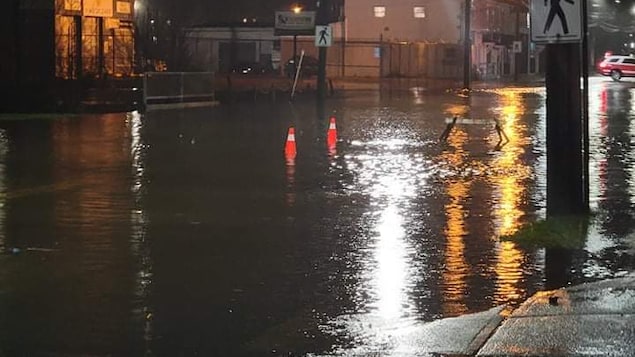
[
  {"x": 555, "y": 21},
  {"x": 291, "y": 23}
]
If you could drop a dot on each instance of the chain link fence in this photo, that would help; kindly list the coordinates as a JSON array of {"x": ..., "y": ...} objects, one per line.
[{"x": 344, "y": 58}]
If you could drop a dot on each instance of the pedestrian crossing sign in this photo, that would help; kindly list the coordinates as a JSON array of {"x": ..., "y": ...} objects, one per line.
[
  {"x": 323, "y": 36},
  {"x": 556, "y": 21}
]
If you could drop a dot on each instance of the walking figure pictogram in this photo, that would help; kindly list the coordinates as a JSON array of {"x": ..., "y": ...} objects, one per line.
[
  {"x": 556, "y": 9},
  {"x": 324, "y": 32}
]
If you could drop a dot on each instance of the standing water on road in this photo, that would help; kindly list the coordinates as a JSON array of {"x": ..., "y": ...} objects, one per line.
[{"x": 182, "y": 233}]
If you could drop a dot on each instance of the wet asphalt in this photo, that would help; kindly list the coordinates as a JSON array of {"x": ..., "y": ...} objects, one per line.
[{"x": 183, "y": 233}]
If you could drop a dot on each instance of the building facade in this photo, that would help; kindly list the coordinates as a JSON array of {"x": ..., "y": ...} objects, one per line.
[
  {"x": 426, "y": 37},
  {"x": 223, "y": 48},
  {"x": 67, "y": 39},
  {"x": 399, "y": 38},
  {"x": 433, "y": 21},
  {"x": 93, "y": 38},
  {"x": 48, "y": 45},
  {"x": 499, "y": 39}
]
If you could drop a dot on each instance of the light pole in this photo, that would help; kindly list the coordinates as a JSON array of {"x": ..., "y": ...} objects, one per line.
[
  {"x": 467, "y": 45},
  {"x": 585, "y": 103},
  {"x": 296, "y": 10}
]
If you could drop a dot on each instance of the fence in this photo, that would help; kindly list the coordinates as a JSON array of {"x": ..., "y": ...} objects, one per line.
[
  {"x": 345, "y": 58},
  {"x": 226, "y": 55},
  {"x": 165, "y": 90},
  {"x": 385, "y": 59}
]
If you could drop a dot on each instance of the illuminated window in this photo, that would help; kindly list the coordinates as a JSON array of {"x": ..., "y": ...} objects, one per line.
[
  {"x": 419, "y": 12},
  {"x": 380, "y": 11}
]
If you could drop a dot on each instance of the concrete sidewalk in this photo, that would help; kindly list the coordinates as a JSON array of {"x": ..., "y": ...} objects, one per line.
[{"x": 593, "y": 319}]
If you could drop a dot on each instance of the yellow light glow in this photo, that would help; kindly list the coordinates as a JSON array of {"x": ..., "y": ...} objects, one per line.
[
  {"x": 457, "y": 110},
  {"x": 507, "y": 181},
  {"x": 509, "y": 271},
  {"x": 391, "y": 274},
  {"x": 297, "y": 9},
  {"x": 390, "y": 178},
  {"x": 456, "y": 268}
]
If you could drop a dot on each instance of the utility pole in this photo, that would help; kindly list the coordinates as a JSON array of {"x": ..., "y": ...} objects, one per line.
[
  {"x": 585, "y": 100},
  {"x": 467, "y": 45},
  {"x": 565, "y": 154},
  {"x": 562, "y": 32},
  {"x": 564, "y": 130}
]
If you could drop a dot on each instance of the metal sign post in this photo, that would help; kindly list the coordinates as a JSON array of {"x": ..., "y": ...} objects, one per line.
[
  {"x": 558, "y": 23},
  {"x": 290, "y": 23}
]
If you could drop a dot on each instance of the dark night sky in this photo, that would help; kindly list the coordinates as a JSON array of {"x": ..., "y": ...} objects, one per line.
[
  {"x": 197, "y": 12},
  {"x": 216, "y": 12}
]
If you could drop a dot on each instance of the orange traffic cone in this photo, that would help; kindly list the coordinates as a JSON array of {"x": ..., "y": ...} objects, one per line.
[
  {"x": 289, "y": 147},
  {"x": 331, "y": 135}
]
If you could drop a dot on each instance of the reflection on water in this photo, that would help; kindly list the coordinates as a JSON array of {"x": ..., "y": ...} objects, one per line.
[
  {"x": 386, "y": 164},
  {"x": 456, "y": 268},
  {"x": 611, "y": 238},
  {"x": 510, "y": 178},
  {"x": 184, "y": 233},
  {"x": 390, "y": 172},
  {"x": 139, "y": 232},
  {"x": 69, "y": 215}
]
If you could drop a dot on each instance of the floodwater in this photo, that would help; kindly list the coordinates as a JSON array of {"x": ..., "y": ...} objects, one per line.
[{"x": 182, "y": 233}]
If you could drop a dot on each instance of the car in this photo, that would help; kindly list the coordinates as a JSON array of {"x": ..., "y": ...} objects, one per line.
[
  {"x": 617, "y": 66},
  {"x": 308, "y": 67}
]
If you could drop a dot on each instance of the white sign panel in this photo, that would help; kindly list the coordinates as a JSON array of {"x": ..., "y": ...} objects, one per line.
[
  {"x": 289, "y": 21},
  {"x": 555, "y": 21},
  {"x": 323, "y": 36},
  {"x": 517, "y": 47}
]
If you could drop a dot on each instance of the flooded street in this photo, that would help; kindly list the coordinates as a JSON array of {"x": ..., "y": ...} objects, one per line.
[{"x": 179, "y": 233}]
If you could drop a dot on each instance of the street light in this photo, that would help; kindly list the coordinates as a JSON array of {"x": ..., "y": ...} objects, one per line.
[{"x": 296, "y": 10}]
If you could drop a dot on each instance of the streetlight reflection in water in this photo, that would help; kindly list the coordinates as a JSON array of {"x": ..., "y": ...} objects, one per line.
[
  {"x": 509, "y": 178},
  {"x": 394, "y": 169},
  {"x": 391, "y": 173},
  {"x": 457, "y": 190}
]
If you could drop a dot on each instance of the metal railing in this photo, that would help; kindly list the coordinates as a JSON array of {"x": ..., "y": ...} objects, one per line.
[{"x": 164, "y": 90}]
